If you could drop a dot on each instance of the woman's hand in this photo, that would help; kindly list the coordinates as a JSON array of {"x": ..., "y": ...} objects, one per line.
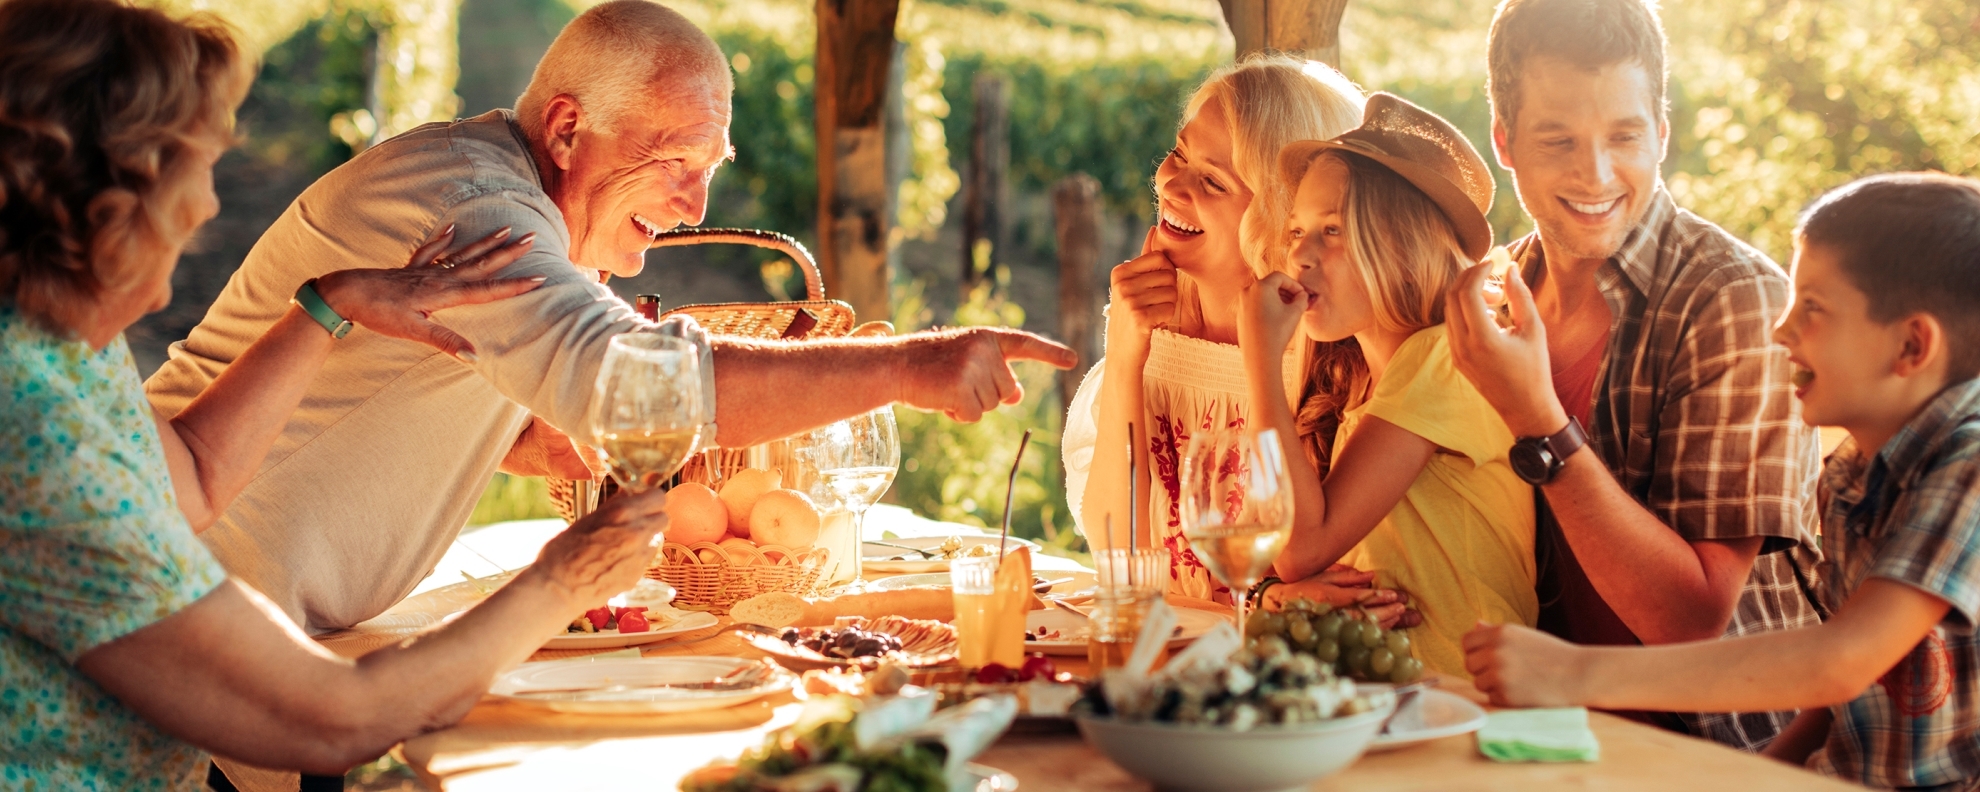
[
  {"x": 1522, "y": 667},
  {"x": 1344, "y": 586},
  {"x": 605, "y": 553},
  {"x": 1141, "y": 296},
  {"x": 399, "y": 302},
  {"x": 1269, "y": 313}
]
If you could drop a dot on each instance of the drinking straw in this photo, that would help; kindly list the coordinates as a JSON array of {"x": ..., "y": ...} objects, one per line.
[
  {"x": 1134, "y": 507},
  {"x": 1010, "y": 490}
]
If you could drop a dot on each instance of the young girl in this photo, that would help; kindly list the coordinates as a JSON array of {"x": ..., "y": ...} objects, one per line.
[
  {"x": 1406, "y": 474},
  {"x": 1172, "y": 364}
]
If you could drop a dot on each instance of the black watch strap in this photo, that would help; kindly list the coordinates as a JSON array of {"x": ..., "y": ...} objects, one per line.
[{"x": 1537, "y": 460}]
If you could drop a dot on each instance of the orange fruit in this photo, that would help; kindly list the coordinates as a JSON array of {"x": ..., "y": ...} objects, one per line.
[
  {"x": 695, "y": 514},
  {"x": 740, "y": 492},
  {"x": 785, "y": 518},
  {"x": 740, "y": 550}
]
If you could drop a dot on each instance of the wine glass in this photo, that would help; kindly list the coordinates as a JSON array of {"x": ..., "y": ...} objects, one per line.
[
  {"x": 1237, "y": 506},
  {"x": 647, "y": 415},
  {"x": 856, "y": 460}
]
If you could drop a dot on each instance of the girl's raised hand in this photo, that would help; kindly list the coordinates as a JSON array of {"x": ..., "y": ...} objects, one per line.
[{"x": 1270, "y": 310}]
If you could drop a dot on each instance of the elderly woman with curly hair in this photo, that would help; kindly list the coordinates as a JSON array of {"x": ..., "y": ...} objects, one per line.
[{"x": 126, "y": 652}]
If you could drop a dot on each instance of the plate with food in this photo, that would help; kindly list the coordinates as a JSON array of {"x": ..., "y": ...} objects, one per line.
[
  {"x": 930, "y": 553},
  {"x": 1056, "y": 632},
  {"x": 613, "y": 627},
  {"x": 637, "y": 686},
  {"x": 857, "y": 642},
  {"x": 1051, "y": 581}
]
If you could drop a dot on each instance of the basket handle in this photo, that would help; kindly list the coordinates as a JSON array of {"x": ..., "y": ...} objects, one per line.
[{"x": 814, "y": 285}]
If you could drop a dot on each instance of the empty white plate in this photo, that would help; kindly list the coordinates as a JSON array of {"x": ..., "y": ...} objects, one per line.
[
  {"x": 1437, "y": 714},
  {"x": 634, "y": 686},
  {"x": 881, "y": 558}
]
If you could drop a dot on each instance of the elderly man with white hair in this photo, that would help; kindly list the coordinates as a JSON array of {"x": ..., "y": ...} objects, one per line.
[{"x": 622, "y": 127}]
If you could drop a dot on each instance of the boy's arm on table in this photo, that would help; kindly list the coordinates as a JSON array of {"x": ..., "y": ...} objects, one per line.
[
  {"x": 1665, "y": 588},
  {"x": 1788, "y": 669}
]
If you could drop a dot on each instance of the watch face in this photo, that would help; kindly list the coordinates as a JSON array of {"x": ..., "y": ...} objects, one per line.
[{"x": 1530, "y": 462}]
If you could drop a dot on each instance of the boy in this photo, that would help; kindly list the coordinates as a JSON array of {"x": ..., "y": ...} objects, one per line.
[{"x": 1885, "y": 336}]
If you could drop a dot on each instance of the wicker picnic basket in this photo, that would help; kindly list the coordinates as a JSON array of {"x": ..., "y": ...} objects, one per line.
[{"x": 707, "y": 576}]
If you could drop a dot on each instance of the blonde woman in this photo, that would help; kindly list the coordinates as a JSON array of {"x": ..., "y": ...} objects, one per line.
[
  {"x": 1172, "y": 365},
  {"x": 1407, "y": 472}
]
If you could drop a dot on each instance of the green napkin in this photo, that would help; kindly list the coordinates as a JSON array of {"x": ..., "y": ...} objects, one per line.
[{"x": 1539, "y": 735}]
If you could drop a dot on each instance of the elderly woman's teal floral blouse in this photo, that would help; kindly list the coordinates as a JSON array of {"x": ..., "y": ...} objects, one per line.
[{"x": 92, "y": 548}]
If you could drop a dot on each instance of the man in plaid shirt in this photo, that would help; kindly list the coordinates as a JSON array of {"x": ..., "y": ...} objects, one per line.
[
  {"x": 1884, "y": 335},
  {"x": 1685, "y": 520}
]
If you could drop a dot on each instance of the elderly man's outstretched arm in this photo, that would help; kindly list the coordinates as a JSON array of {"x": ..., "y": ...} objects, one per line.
[{"x": 766, "y": 390}]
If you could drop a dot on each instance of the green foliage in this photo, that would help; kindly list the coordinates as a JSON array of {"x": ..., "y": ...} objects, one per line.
[
  {"x": 313, "y": 77},
  {"x": 513, "y": 498},
  {"x": 1786, "y": 98},
  {"x": 1112, "y": 120}
]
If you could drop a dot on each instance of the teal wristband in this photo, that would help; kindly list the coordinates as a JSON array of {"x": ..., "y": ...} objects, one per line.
[{"x": 313, "y": 304}]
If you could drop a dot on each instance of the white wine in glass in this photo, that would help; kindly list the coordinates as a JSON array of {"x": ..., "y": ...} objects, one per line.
[
  {"x": 1237, "y": 506},
  {"x": 647, "y": 415},
  {"x": 857, "y": 458}
]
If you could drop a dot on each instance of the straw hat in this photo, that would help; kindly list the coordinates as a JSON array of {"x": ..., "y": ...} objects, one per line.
[{"x": 1422, "y": 148}]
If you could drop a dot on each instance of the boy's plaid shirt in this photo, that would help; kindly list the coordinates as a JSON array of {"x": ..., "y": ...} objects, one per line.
[
  {"x": 1911, "y": 514},
  {"x": 1695, "y": 416}
]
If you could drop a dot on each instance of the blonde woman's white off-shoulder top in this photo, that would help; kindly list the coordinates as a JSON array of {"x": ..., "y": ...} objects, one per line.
[{"x": 1188, "y": 385}]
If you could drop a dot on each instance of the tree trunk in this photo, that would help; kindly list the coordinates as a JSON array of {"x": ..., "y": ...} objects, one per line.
[
  {"x": 1309, "y": 28},
  {"x": 1076, "y": 209},
  {"x": 854, "y": 58},
  {"x": 987, "y": 194}
]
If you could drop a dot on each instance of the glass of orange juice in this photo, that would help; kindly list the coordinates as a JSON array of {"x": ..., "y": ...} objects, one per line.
[{"x": 985, "y": 630}]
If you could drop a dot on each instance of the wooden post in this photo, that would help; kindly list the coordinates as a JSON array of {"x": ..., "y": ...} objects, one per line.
[
  {"x": 854, "y": 57},
  {"x": 1076, "y": 210},
  {"x": 986, "y": 191},
  {"x": 1309, "y": 28}
]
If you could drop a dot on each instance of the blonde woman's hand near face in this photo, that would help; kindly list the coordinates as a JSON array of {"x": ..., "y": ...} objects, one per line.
[
  {"x": 399, "y": 302},
  {"x": 605, "y": 553},
  {"x": 1141, "y": 296},
  {"x": 1269, "y": 313}
]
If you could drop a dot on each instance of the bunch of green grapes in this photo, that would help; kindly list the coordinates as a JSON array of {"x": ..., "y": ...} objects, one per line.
[{"x": 1349, "y": 640}]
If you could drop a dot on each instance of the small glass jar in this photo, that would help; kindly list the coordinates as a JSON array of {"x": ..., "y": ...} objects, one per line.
[{"x": 1114, "y": 620}]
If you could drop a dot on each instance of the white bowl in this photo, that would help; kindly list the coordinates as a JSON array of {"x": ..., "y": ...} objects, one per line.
[{"x": 1267, "y": 758}]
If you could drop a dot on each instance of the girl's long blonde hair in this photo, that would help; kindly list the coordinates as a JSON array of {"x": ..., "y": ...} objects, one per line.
[
  {"x": 1407, "y": 251},
  {"x": 1271, "y": 100}
]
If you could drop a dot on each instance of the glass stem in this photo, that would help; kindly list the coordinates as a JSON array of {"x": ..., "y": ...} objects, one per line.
[
  {"x": 858, "y": 540},
  {"x": 1238, "y": 595}
]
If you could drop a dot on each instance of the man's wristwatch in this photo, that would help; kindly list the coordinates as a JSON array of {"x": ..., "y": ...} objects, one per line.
[
  {"x": 313, "y": 304},
  {"x": 1537, "y": 460}
]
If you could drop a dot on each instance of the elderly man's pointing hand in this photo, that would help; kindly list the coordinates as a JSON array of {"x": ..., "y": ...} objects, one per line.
[{"x": 965, "y": 372}]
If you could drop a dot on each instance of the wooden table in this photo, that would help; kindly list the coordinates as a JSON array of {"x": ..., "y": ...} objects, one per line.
[{"x": 503, "y": 747}]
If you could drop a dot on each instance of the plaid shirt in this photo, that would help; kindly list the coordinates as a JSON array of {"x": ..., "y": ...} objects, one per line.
[
  {"x": 1695, "y": 417},
  {"x": 1912, "y": 514}
]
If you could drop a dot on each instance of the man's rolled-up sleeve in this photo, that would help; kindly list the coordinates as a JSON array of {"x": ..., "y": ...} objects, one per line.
[
  {"x": 543, "y": 349},
  {"x": 1733, "y": 459}
]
